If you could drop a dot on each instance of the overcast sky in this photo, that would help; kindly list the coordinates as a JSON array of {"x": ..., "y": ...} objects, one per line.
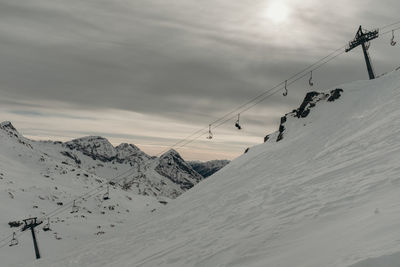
[{"x": 151, "y": 72}]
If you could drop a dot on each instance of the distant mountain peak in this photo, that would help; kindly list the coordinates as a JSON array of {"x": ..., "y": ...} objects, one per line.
[
  {"x": 7, "y": 125},
  {"x": 90, "y": 138},
  {"x": 96, "y": 147},
  {"x": 127, "y": 146},
  {"x": 174, "y": 167},
  {"x": 208, "y": 168},
  {"x": 127, "y": 151},
  {"x": 171, "y": 152}
]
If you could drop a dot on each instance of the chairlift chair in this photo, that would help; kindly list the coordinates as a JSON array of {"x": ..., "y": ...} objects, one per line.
[
  {"x": 310, "y": 82},
  {"x": 46, "y": 227},
  {"x": 210, "y": 134},
  {"x": 14, "y": 240},
  {"x": 237, "y": 124},
  {"x": 286, "y": 91},
  {"x": 392, "y": 41}
]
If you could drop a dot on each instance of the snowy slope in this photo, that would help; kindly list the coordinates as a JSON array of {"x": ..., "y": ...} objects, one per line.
[{"x": 327, "y": 194}]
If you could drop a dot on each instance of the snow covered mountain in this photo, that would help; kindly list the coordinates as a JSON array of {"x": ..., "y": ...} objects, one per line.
[
  {"x": 39, "y": 177},
  {"x": 146, "y": 175},
  {"x": 208, "y": 168},
  {"x": 326, "y": 194}
]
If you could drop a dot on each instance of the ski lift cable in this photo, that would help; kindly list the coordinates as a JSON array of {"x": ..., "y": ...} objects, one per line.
[
  {"x": 279, "y": 89},
  {"x": 91, "y": 192},
  {"x": 7, "y": 238},
  {"x": 390, "y": 31},
  {"x": 261, "y": 100},
  {"x": 232, "y": 117},
  {"x": 333, "y": 54},
  {"x": 234, "y": 111},
  {"x": 307, "y": 69},
  {"x": 87, "y": 195},
  {"x": 389, "y": 25},
  {"x": 262, "y": 97}
]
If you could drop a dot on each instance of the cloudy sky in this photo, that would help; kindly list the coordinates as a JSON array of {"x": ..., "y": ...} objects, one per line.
[{"x": 151, "y": 72}]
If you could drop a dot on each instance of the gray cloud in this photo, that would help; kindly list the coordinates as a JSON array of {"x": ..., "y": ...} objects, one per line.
[{"x": 178, "y": 60}]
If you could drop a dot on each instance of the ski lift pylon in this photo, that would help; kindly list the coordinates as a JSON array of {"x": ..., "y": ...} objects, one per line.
[
  {"x": 237, "y": 124},
  {"x": 286, "y": 91},
  {"x": 210, "y": 134},
  {"x": 310, "y": 81},
  {"x": 392, "y": 41},
  {"x": 14, "y": 240}
]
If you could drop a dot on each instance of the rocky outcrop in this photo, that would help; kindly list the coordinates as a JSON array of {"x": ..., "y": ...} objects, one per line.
[{"x": 310, "y": 101}]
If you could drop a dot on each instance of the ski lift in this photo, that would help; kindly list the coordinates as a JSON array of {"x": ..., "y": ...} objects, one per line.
[
  {"x": 286, "y": 91},
  {"x": 367, "y": 45},
  {"x": 210, "y": 134},
  {"x": 237, "y": 124},
  {"x": 14, "y": 240},
  {"x": 310, "y": 82},
  {"x": 392, "y": 41},
  {"x": 75, "y": 208},
  {"x": 46, "y": 227},
  {"x": 106, "y": 196}
]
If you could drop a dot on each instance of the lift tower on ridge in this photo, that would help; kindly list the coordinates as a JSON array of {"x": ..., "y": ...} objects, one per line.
[{"x": 362, "y": 38}]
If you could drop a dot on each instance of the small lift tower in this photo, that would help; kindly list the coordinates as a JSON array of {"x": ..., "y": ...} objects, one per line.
[
  {"x": 31, "y": 223},
  {"x": 362, "y": 38}
]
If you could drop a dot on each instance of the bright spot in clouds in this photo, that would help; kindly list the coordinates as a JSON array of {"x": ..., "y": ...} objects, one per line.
[{"x": 277, "y": 11}]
